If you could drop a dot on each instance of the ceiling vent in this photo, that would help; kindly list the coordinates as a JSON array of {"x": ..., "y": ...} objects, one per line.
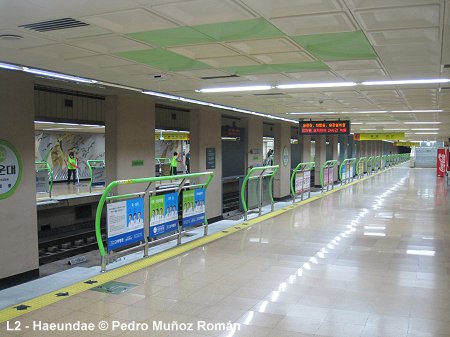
[
  {"x": 218, "y": 77},
  {"x": 47, "y": 26}
]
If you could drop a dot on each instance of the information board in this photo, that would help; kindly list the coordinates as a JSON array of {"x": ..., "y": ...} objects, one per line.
[
  {"x": 193, "y": 207},
  {"x": 125, "y": 223},
  {"x": 163, "y": 214},
  {"x": 324, "y": 127},
  {"x": 306, "y": 181},
  {"x": 42, "y": 182},
  {"x": 299, "y": 182},
  {"x": 210, "y": 158}
]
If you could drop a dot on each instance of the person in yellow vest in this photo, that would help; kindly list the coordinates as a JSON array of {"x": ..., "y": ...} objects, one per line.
[
  {"x": 174, "y": 164},
  {"x": 71, "y": 167}
]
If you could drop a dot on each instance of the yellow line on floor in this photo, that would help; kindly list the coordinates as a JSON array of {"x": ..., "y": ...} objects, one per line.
[{"x": 52, "y": 297}]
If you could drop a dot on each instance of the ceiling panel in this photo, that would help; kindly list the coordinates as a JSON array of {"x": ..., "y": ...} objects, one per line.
[
  {"x": 135, "y": 69},
  {"x": 337, "y": 46},
  {"x": 292, "y": 57},
  {"x": 136, "y": 20},
  {"x": 199, "y": 12},
  {"x": 277, "y": 68},
  {"x": 264, "y": 46},
  {"x": 229, "y": 61},
  {"x": 315, "y": 24},
  {"x": 314, "y": 76},
  {"x": 61, "y": 51},
  {"x": 403, "y": 17},
  {"x": 203, "y": 51},
  {"x": 101, "y": 61},
  {"x": 28, "y": 39},
  {"x": 109, "y": 44},
  {"x": 404, "y": 36},
  {"x": 203, "y": 73},
  {"x": 361, "y": 4},
  {"x": 354, "y": 64},
  {"x": 281, "y": 8},
  {"x": 363, "y": 74}
]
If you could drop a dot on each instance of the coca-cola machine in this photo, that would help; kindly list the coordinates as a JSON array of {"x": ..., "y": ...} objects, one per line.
[{"x": 441, "y": 166}]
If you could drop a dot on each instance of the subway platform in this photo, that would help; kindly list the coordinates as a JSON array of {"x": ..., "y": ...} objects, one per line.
[{"x": 367, "y": 260}]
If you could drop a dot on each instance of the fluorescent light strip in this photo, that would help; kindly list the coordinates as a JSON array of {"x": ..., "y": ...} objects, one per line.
[
  {"x": 233, "y": 89},
  {"x": 69, "y": 124},
  {"x": 396, "y": 129},
  {"x": 313, "y": 113},
  {"x": 356, "y": 123},
  {"x": 421, "y": 122},
  {"x": 426, "y": 129},
  {"x": 58, "y": 75},
  {"x": 10, "y": 66},
  {"x": 418, "y": 81},
  {"x": 420, "y": 252},
  {"x": 425, "y": 133},
  {"x": 367, "y": 129},
  {"x": 417, "y": 110},
  {"x": 316, "y": 85},
  {"x": 365, "y": 112}
]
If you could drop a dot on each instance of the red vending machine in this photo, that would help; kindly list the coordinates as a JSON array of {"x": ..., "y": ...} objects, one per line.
[{"x": 441, "y": 166}]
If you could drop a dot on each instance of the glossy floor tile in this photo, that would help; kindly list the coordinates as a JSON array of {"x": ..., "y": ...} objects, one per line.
[{"x": 371, "y": 260}]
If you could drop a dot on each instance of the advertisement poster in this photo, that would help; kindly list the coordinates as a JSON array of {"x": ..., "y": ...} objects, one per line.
[
  {"x": 330, "y": 176},
  {"x": 352, "y": 171},
  {"x": 42, "y": 182},
  {"x": 163, "y": 214},
  {"x": 306, "y": 181},
  {"x": 344, "y": 172},
  {"x": 125, "y": 222},
  {"x": 193, "y": 207},
  {"x": 325, "y": 176},
  {"x": 361, "y": 168},
  {"x": 299, "y": 181},
  {"x": 441, "y": 164}
]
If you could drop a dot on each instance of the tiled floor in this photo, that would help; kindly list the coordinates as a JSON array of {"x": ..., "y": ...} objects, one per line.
[
  {"x": 371, "y": 260},
  {"x": 62, "y": 190}
]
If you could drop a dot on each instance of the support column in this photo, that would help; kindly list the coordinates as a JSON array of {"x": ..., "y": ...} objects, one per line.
[
  {"x": 321, "y": 157},
  {"x": 254, "y": 142},
  {"x": 305, "y": 155},
  {"x": 130, "y": 140},
  {"x": 18, "y": 217},
  {"x": 282, "y": 149},
  {"x": 205, "y": 128},
  {"x": 334, "y": 143}
]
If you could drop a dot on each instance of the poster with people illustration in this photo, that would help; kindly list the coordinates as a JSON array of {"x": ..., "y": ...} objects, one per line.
[
  {"x": 125, "y": 223},
  {"x": 163, "y": 214},
  {"x": 193, "y": 207}
]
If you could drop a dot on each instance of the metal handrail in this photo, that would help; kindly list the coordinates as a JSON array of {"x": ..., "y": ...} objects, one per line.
[
  {"x": 90, "y": 166},
  {"x": 327, "y": 165},
  {"x": 345, "y": 162},
  {"x": 148, "y": 181},
  {"x": 262, "y": 170},
  {"x": 50, "y": 171},
  {"x": 301, "y": 167}
]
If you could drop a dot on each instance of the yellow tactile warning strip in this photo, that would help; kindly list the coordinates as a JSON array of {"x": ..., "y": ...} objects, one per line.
[{"x": 47, "y": 299}]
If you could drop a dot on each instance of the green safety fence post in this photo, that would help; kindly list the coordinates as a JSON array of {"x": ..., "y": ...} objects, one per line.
[
  {"x": 301, "y": 168},
  {"x": 261, "y": 172},
  {"x": 369, "y": 164},
  {"x": 92, "y": 165},
  {"x": 348, "y": 165},
  {"x": 45, "y": 166},
  {"x": 105, "y": 198},
  {"x": 328, "y": 165},
  {"x": 360, "y": 166}
]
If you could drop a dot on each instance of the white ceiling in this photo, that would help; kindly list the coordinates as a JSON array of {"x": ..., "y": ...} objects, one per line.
[{"x": 410, "y": 37}]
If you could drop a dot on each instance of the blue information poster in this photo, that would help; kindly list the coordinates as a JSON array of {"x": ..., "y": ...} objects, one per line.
[
  {"x": 193, "y": 207},
  {"x": 125, "y": 223},
  {"x": 163, "y": 214}
]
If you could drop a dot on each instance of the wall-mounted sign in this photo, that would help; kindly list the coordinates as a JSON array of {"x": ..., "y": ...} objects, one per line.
[
  {"x": 210, "y": 158},
  {"x": 408, "y": 144},
  {"x": 324, "y": 127},
  {"x": 10, "y": 169},
  {"x": 232, "y": 131},
  {"x": 379, "y": 136},
  {"x": 285, "y": 156},
  {"x": 172, "y": 136}
]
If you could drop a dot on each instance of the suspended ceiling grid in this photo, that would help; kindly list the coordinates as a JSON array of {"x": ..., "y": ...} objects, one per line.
[{"x": 191, "y": 43}]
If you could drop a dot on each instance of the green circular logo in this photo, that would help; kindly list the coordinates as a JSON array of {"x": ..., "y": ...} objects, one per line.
[{"x": 2, "y": 154}]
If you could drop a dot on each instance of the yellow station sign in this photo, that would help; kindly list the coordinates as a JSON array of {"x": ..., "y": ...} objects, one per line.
[
  {"x": 407, "y": 144},
  {"x": 379, "y": 136},
  {"x": 172, "y": 136}
]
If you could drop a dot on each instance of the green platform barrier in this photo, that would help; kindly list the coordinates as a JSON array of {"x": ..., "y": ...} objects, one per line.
[
  {"x": 361, "y": 166},
  {"x": 178, "y": 183},
  {"x": 258, "y": 173},
  {"x": 97, "y": 173},
  {"x": 298, "y": 179},
  {"x": 346, "y": 170},
  {"x": 327, "y": 167},
  {"x": 44, "y": 177}
]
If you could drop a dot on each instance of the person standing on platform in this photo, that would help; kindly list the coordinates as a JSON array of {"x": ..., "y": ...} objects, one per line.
[
  {"x": 71, "y": 167},
  {"x": 188, "y": 162},
  {"x": 174, "y": 164}
]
